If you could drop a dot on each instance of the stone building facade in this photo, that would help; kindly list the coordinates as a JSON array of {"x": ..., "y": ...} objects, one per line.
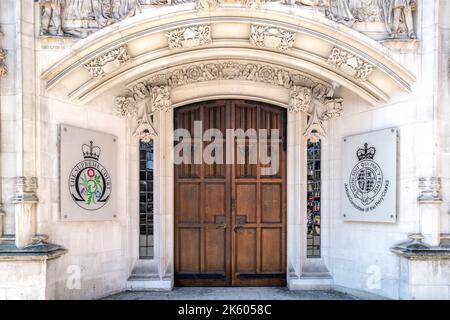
[{"x": 128, "y": 68}]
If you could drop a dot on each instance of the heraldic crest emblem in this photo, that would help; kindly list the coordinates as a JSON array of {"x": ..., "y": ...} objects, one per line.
[
  {"x": 89, "y": 181},
  {"x": 366, "y": 178}
]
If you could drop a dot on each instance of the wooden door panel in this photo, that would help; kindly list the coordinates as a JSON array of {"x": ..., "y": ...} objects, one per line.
[
  {"x": 245, "y": 249},
  {"x": 271, "y": 240},
  {"x": 271, "y": 203},
  {"x": 189, "y": 253},
  {"x": 215, "y": 249},
  {"x": 215, "y": 204},
  {"x": 189, "y": 201},
  {"x": 246, "y": 198}
]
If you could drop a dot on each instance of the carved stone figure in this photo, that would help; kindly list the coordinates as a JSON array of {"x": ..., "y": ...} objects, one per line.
[
  {"x": 339, "y": 11},
  {"x": 300, "y": 99},
  {"x": 51, "y": 23},
  {"x": 80, "y": 18},
  {"x": 366, "y": 10},
  {"x": 122, "y": 9},
  {"x": 398, "y": 18}
]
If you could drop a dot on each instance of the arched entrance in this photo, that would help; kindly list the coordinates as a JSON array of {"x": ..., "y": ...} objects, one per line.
[
  {"x": 137, "y": 67},
  {"x": 230, "y": 211}
]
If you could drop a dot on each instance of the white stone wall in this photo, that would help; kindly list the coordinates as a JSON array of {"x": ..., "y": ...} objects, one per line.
[
  {"x": 356, "y": 254},
  {"x": 23, "y": 280},
  {"x": 99, "y": 249}
]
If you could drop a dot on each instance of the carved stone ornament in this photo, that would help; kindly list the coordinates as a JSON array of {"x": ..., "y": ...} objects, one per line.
[
  {"x": 3, "y": 68},
  {"x": 270, "y": 37},
  {"x": 145, "y": 130},
  {"x": 306, "y": 95},
  {"x": 151, "y": 98},
  {"x": 189, "y": 37},
  {"x": 25, "y": 190},
  {"x": 350, "y": 64},
  {"x": 321, "y": 110},
  {"x": 97, "y": 67},
  {"x": 80, "y": 18},
  {"x": 430, "y": 190}
]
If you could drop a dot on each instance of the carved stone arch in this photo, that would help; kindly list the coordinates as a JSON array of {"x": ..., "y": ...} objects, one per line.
[{"x": 138, "y": 47}]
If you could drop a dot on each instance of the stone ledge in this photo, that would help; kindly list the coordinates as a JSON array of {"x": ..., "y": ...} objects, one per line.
[
  {"x": 35, "y": 252},
  {"x": 416, "y": 249},
  {"x": 424, "y": 253}
]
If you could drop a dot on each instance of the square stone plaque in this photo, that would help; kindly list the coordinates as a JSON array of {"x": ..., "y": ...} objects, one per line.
[
  {"x": 88, "y": 171},
  {"x": 369, "y": 169}
]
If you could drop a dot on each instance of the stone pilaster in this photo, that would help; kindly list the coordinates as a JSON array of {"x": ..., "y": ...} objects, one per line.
[
  {"x": 430, "y": 200},
  {"x": 3, "y": 73},
  {"x": 25, "y": 201},
  {"x": 25, "y": 198}
]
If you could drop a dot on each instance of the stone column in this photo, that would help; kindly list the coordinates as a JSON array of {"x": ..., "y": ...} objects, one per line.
[
  {"x": 165, "y": 133},
  {"x": 430, "y": 201},
  {"x": 3, "y": 72},
  {"x": 25, "y": 220},
  {"x": 427, "y": 138},
  {"x": 296, "y": 169},
  {"x": 25, "y": 199}
]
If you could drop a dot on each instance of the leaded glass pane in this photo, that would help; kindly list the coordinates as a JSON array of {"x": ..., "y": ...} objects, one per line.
[
  {"x": 313, "y": 199},
  {"x": 146, "y": 200}
]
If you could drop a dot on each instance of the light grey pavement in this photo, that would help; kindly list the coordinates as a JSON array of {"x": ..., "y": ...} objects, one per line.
[{"x": 236, "y": 293}]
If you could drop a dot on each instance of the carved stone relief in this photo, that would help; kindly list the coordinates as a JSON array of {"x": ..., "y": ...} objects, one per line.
[
  {"x": 350, "y": 64},
  {"x": 189, "y": 37},
  {"x": 3, "y": 68},
  {"x": 321, "y": 108},
  {"x": 148, "y": 98},
  {"x": 274, "y": 38},
  {"x": 398, "y": 18},
  {"x": 80, "y": 18},
  {"x": 430, "y": 190},
  {"x": 26, "y": 189},
  {"x": 306, "y": 95},
  {"x": 97, "y": 67}
]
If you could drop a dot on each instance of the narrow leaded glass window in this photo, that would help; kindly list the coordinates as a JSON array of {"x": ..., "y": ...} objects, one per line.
[
  {"x": 313, "y": 199},
  {"x": 146, "y": 200}
]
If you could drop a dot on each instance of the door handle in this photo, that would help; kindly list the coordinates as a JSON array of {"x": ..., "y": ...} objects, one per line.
[
  {"x": 236, "y": 228},
  {"x": 222, "y": 227}
]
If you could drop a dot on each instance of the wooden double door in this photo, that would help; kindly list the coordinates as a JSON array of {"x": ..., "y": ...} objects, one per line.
[{"x": 230, "y": 218}]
